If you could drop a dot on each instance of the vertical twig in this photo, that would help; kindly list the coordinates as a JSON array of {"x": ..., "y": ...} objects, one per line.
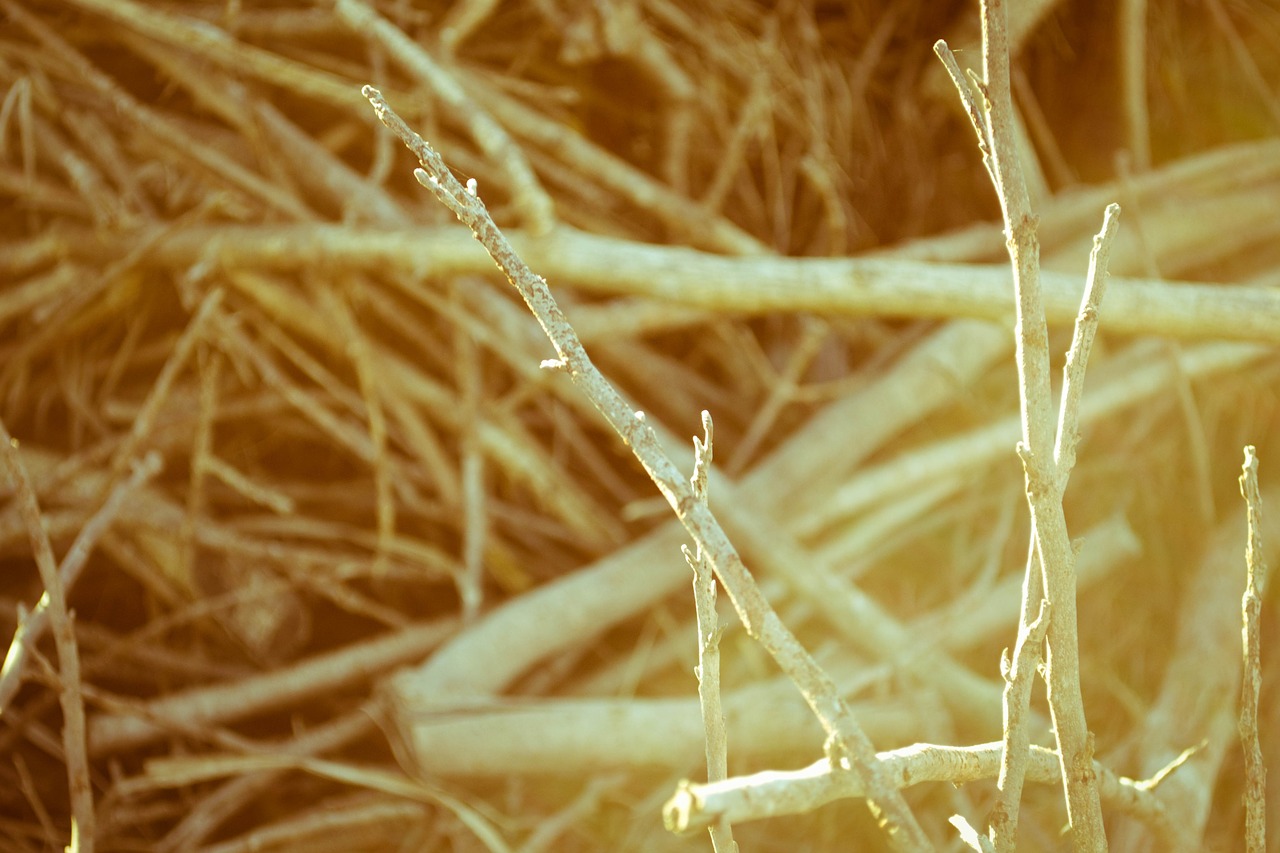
[
  {"x": 1132, "y": 25},
  {"x": 708, "y": 671},
  {"x": 73, "y": 729},
  {"x": 1019, "y": 677},
  {"x": 1044, "y": 482},
  {"x": 1017, "y": 741},
  {"x": 845, "y": 736},
  {"x": 1255, "y": 771},
  {"x": 474, "y": 504},
  {"x": 1073, "y": 372}
]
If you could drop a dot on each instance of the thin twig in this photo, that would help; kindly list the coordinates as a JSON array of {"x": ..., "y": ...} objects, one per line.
[
  {"x": 1044, "y": 485},
  {"x": 1019, "y": 675},
  {"x": 1032, "y": 629},
  {"x": 1004, "y": 817},
  {"x": 704, "y": 598},
  {"x": 73, "y": 729},
  {"x": 1073, "y": 372},
  {"x": 475, "y": 529},
  {"x": 1255, "y": 771},
  {"x": 210, "y": 812},
  {"x": 757, "y": 615},
  {"x": 969, "y": 102}
]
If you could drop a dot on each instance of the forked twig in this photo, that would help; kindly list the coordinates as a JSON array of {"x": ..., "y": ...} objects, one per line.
[
  {"x": 1045, "y": 477},
  {"x": 1034, "y": 621},
  {"x": 757, "y": 615}
]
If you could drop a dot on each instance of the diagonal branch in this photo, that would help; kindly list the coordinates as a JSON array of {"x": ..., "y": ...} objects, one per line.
[{"x": 757, "y": 615}]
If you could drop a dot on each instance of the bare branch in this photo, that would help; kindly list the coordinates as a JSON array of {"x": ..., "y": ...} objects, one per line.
[
  {"x": 1043, "y": 479},
  {"x": 757, "y": 615},
  {"x": 1064, "y": 453},
  {"x": 1255, "y": 771},
  {"x": 775, "y": 793},
  {"x": 1019, "y": 677}
]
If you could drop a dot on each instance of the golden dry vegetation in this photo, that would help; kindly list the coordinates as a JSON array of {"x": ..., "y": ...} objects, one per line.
[{"x": 349, "y": 571}]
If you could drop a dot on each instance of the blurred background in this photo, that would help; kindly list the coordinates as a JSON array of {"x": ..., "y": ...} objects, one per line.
[{"x": 397, "y": 588}]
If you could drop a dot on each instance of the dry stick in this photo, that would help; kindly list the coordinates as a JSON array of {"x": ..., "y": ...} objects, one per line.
[
  {"x": 475, "y": 521},
  {"x": 683, "y": 277},
  {"x": 759, "y": 618},
  {"x": 1086, "y": 328},
  {"x": 86, "y": 297},
  {"x": 1044, "y": 486},
  {"x": 502, "y": 439},
  {"x": 887, "y": 481},
  {"x": 1200, "y": 686},
  {"x": 1255, "y": 771},
  {"x": 32, "y": 627},
  {"x": 1032, "y": 624},
  {"x": 708, "y": 671},
  {"x": 848, "y": 609},
  {"x": 462, "y": 20},
  {"x": 774, "y": 793},
  {"x": 341, "y": 430},
  {"x": 1019, "y": 675},
  {"x": 19, "y": 97},
  {"x": 27, "y": 784},
  {"x": 209, "y": 370},
  {"x": 535, "y": 205},
  {"x": 73, "y": 733},
  {"x": 1258, "y": 82}
]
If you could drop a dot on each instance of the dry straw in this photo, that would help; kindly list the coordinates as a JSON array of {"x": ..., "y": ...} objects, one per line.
[{"x": 300, "y": 545}]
